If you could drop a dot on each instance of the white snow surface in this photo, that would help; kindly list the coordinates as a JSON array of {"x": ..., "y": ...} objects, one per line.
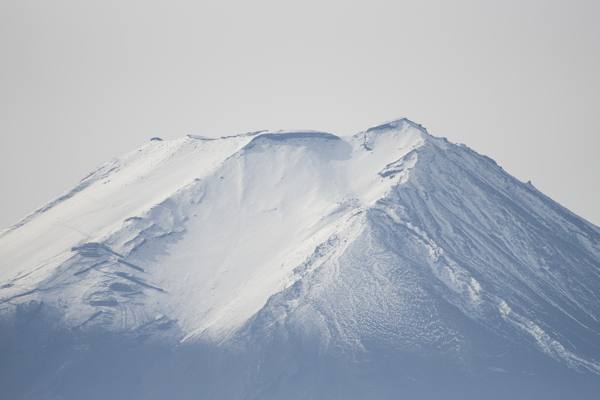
[
  {"x": 206, "y": 231},
  {"x": 251, "y": 208}
]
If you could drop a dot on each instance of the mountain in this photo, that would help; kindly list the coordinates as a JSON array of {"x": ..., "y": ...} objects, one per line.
[{"x": 301, "y": 265}]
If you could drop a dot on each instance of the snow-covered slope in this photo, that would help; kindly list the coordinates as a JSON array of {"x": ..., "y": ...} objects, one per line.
[{"x": 298, "y": 264}]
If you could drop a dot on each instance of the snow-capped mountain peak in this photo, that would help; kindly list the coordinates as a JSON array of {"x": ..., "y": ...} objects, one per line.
[{"x": 390, "y": 243}]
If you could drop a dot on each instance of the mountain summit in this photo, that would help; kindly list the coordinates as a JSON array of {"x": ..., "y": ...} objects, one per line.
[{"x": 301, "y": 265}]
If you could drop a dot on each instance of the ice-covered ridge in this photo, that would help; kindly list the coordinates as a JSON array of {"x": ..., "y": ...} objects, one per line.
[
  {"x": 296, "y": 134},
  {"x": 119, "y": 189},
  {"x": 396, "y": 124}
]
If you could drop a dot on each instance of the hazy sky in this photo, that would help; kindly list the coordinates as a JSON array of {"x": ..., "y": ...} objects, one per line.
[{"x": 84, "y": 81}]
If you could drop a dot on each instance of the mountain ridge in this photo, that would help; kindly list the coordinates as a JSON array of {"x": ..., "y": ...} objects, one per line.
[{"x": 305, "y": 252}]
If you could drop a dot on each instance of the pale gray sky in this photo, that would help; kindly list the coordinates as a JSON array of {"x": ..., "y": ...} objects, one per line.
[{"x": 85, "y": 81}]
